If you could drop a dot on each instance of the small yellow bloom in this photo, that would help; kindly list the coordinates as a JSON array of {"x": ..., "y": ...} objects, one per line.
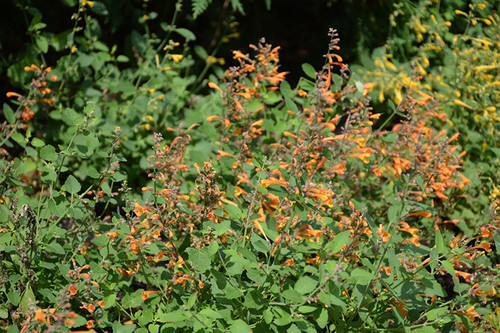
[
  {"x": 486, "y": 21},
  {"x": 74, "y": 49},
  {"x": 211, "y": 59},
  {"x": 390, "y": 65},
  {"x": 459, "y": 12},
  {"x": 176, "y": 57},
  {"x": 381, "y": 97},
  {"x": 459, "y": 102},
  {"x": 87, "y": 3}
]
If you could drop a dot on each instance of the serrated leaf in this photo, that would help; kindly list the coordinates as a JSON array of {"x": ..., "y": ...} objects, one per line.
[
  {"x": 233, "y": 211},
  {"x": 199, "y": 7},
  {"x": 48, "y": 153},
  {"x": 292, "y": 295},
  {"x": 305, "y": 285},
  {"x": 36, "y": 142},
  {"x": 72, "y": 185},
  {"x": 71, "y": 117},
  {"x": 199, "y": 260},
  {"x": 173, "y": 316},
  {"x": 260, "y": 244},
  {"x": 27, "y": 299},
  {"x": 336, "y": 244},
  {"x": 361, "y": 276},
  {"x": 239, "y": 326},
  {"x": 55, "y": 248},
  {"x": 449, "y": 267}
]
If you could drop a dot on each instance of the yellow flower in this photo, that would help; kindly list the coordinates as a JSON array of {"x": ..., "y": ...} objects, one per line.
[
  {"x": 459, "y": 102},
  {"x": 211, "y": 59},
  {"x": 176, "y": 57},
  {"x": 74, "y": 49},
  {"x": 87, "y": 3}
]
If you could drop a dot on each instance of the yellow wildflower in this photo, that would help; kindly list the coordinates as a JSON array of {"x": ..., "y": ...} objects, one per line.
[
  {"x": 176, "y": 57},
  {"x": 87, "y": 3}
]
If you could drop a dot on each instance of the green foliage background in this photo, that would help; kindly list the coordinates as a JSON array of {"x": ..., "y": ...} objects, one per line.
[{"x": 154, "y": 181}]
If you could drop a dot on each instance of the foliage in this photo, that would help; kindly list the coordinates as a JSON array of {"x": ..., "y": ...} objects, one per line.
[
  {"x": 454, "y": 47},
  {"x": 134, "y": 200}
]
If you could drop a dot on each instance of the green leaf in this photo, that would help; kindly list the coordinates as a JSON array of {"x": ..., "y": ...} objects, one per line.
[
  {"x": 305, "y": 285},
  {"x": 4, "y": 313},
  {"x": 185, "y": 33},
  {"x": 259, "y": 243},
  {"x": 222, "y": 227},
  {"x": 36, "y": 142},
  {"x": 119, "y": 176},
  {"x": 336, "y": 244},
  {"x": 306, "y": 309},
  {"x": 55, "y": 248},
  {"x": 9, "y": 114},
  {"x": 122, "y": 58},
  {"x": 268, "y": 316},
  {"x": 309, "y": 70},
  {"x": 282, "y": 317},
  {"x": 254, "y": 300},
  {"x": 71, "y": 117},
  {"x": 361, "y": 276},
  {"x": 201, "y": 263},
  {"x": 99, "y": 8},
  {"x": 42, "y": 43},
  {"x": 239, "y": 326},
  {"x": 449, "y": 267},
  {"x": 439, "y": 242},
  {"x": 199, "y": 7},
  {"x": 278, "y": 191},
  {"x": 192, "y": 299},
  {"x": 173, "y": 316},
  {"x": 210, "y": 313},
  {"x": 322, "y": 319},
  {"x": 85, "y": 144},
  {"x": 27, "y": 299},
  {"x": 292, "y": 295},
  {"x": 390, "y": 137},
  {"x": 84, "y": 60},
  {"x": 359, "y": 87},
  {"x": 233, "y": 211},
  {"x": 72, "y": 185},
  {"x": 48, "y": 153}
]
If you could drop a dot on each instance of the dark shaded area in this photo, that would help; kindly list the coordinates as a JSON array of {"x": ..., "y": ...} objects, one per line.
[{"x": 300, "y": 28}]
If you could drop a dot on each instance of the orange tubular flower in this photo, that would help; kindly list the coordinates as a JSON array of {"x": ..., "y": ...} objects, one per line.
[
  {"x": 384, "y": 235},
  {"x": 139, "y": 210},
  {"x": 13, "y": 94},
  {"x": 363, "y": 154},
  {"x": 273, "y": 181}
]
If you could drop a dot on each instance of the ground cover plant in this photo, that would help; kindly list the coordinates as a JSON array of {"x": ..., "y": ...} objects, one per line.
[{"x": 136, "y": 196}]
